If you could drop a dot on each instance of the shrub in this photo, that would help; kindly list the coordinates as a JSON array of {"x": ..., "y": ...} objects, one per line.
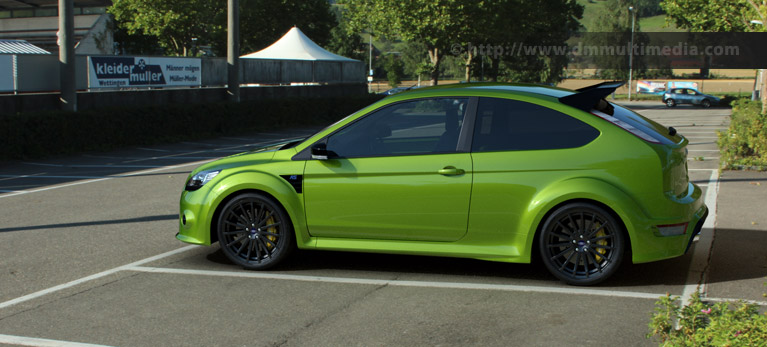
[
  {"x": 744, "y": 144},
  {"x": 42, "y": 134},
  {"x": 703, "y": 324}
]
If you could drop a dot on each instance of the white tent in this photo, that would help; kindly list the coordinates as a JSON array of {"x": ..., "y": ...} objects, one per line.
[{"x": 294, "y": 45}]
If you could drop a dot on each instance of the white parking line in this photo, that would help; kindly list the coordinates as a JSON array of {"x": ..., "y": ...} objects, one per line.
[
  {"x": 101, "y": 179},
  {"x": 736, "y": 301},
  {"x": 696, "y": 275},
  {"x": 46, "y": 176},
  {"x": 92, "y": 277},
  {"x": 32, "y": 341},
  {"x": 400, "y": 283},
  {"x": 94, "y": 166}
]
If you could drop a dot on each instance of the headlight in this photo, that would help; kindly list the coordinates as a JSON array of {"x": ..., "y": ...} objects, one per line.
[{"x": 200, "y": 178}]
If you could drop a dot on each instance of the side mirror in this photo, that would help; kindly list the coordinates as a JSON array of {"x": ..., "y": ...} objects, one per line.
[{"x": 320, "y": 151}]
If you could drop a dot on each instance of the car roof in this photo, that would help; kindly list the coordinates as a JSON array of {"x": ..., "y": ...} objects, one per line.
[{"x": 484, "y": 87}]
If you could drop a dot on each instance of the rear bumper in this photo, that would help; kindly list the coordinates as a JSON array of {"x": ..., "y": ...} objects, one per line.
[{"x": 698, "y": 229}]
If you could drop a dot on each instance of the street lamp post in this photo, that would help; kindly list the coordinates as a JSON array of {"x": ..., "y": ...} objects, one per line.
[{"x": 631, "y": 48}]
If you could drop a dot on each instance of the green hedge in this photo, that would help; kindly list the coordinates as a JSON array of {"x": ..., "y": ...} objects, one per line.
[
  {"x": 744, "y": 144},
  {"x": 42, "y": 134}
]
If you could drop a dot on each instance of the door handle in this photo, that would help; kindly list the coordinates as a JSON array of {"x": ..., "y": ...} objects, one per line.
[{"x": 451, "y": 171}]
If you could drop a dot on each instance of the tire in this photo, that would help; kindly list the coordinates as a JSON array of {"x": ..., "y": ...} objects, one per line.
[
  {"x": 706, "y": 103},
  {"x": 670, "y": 103},
  {"x": 581, "y": 244},
  {"x": 255, "y": 232}
]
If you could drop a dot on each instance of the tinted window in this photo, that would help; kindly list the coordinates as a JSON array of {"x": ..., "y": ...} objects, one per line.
[
  {"x": 504, "y": 125},
  {"x": 648, "y": 126},
  {"x": 413, "y": 127}
]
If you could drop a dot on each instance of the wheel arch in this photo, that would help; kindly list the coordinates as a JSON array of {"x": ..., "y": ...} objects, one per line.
[
  {"x": 620, "y": 205},
  {"x": 272, "y": 187},
  {"x": 534, "y": 252}
]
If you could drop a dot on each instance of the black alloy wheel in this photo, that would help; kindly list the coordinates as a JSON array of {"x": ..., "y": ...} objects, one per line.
[
  {"x": 255, "y": 232},
  {"x": 581, "y": 244}
]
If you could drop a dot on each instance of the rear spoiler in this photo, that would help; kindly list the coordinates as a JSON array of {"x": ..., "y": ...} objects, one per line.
[{"x": 590, "y": 97}]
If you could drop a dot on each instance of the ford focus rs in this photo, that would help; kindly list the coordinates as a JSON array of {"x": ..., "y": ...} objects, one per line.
[{"x": 499, "y": 172}]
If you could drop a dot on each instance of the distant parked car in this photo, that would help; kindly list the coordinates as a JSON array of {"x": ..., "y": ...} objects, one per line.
[
  {"x": 679, "y": 96},
  {"x": 397, "y": 90}
]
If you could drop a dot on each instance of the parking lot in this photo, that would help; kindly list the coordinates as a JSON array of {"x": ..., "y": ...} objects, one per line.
[{"x": 90, "y": 258}]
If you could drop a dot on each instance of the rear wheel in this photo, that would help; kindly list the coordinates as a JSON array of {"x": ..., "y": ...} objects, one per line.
[
  {"x": 705, "y": 103},
  {"x": 670, "y": 103},
  {"x": 254, "y": 231},
  {"x": 581, "y": 244}
]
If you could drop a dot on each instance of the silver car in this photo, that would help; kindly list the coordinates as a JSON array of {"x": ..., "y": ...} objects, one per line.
[{"x": 679, "y": 96}]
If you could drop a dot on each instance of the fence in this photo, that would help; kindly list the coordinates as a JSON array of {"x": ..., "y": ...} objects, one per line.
[
  {"x": 31, "y": 82},
  {"x": 40, "y": 73}
]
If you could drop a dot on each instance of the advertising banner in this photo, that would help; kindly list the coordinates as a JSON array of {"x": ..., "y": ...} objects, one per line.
[
  {"x": 136, "y": 72},
  {"x": 682, "y": 84},
  {"x": 6, "y": 73},
  {"x": 651, "y": 87}
]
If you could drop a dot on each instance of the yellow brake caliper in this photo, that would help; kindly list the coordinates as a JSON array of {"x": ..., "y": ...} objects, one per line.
[
  {"x": 602, "y": 242},
  {"x": 272, "y": 230}
]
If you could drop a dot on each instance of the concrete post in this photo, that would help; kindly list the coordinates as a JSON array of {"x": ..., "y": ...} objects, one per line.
[
  {"x": 233, "y": 50},
  {"x": 66, "y": 41}
]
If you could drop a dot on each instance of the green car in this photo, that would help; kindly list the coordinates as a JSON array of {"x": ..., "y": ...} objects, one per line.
[{"x": 499, "y": 172}]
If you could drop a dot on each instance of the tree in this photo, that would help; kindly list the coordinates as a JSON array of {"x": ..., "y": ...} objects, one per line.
[
  {"x": 264, "y": 21},
  {"x": 718, "y": 16},
  {"x": 614, "y": 31},
  {"x": 175, "y": 23},
  {"x": 436, "y": 23},
  {"x": 545, "y": 24},
  {"x": 343, "y": 42},
  {"x": 394, "y": 70},
  {"x": 172, "y": 23}
]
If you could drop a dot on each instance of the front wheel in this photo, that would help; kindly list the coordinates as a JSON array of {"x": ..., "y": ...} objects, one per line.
[
  {"x": 581, "y": 244},
  {"x": 670, "y": 103},
  {"x": 254, "y": 231},
  {"x": 705, "y": 103}
]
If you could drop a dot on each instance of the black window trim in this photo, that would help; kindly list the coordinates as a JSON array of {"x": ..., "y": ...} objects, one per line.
[{"x": 464, "y": 137}]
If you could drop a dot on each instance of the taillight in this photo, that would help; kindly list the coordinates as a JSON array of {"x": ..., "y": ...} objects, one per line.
[
  {"x": 626, "y": 126},
  {"x": 672, "y": 229}
]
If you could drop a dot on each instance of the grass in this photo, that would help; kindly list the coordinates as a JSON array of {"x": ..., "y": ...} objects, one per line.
[
  {"x": 591, "y": 9},
  {"x": 657, "y": 24}
]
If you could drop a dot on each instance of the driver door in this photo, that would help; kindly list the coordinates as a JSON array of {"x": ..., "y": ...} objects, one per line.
[{"x": 394, "y": 174}]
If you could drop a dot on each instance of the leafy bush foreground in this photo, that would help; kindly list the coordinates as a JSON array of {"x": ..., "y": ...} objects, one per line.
[
  {"x": 703, "y": 324},
  {"x": 41, "y": 134},
  {"x": 744, "y": 144}
]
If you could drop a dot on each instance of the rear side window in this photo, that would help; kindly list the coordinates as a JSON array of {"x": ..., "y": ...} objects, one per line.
[
  {"x": 512, "y": 125},
  {"x": 659, "y": 133}
]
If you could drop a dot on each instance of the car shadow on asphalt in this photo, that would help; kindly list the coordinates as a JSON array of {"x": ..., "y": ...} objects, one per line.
[
  {"x": 672, "y": 272},
  {"x": 307, "y": 260},
  {"x": 738, "y": 255}
]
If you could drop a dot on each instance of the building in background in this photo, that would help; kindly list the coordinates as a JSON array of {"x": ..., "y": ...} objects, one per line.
[{"x": 37, "y": 22}]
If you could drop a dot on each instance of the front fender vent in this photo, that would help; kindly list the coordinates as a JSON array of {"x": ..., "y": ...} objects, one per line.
[{"x": 297, "y": 181}]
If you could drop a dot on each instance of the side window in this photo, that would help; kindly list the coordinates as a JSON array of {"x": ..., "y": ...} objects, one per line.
[
  {"x": 407, "y": 128},
  {"x": 511, "y": 125}
]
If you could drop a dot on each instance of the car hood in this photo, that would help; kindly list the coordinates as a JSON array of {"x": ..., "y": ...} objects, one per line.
[{"x": 261, "y": 154}]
